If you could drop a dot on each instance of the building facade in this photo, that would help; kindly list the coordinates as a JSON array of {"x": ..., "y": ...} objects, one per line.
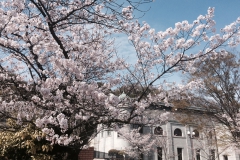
[
  {"x": 188, "y": 134},
  {"x": 175, "y": 140}
]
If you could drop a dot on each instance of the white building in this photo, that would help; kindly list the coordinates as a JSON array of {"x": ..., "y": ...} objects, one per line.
[{"x": 194, "y": 139}]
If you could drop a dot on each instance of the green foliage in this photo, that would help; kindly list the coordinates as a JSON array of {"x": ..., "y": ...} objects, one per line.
[
  {"x": 115, "y": 152},
  {"x": 24, "y": 143}
]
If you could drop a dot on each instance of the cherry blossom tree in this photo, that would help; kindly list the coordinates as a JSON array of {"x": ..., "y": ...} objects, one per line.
[
  {"x": 220, "y": 94},
  {"x": 58, "y": 66}
]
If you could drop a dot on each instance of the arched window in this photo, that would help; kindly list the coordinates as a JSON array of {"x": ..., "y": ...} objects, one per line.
[
  {"x": 158, "y": 131},
  {"x": 139, "y": 127},
  {"x": 210, "y": 135},
  {"x": 196, "y": 133},
  {"x": 177, "y": 132}
]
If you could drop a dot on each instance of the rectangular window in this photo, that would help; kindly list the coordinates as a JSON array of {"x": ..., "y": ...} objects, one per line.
[
  {"x": 138, "y": 126},
  {"x": 212, "y": 154},
  {"x": 2, "y": 119},
  {"x": 225, "y": 157},
  {"x": 198, "y": 154},
  {"x": 159, "y": 152},
  {"x": 118, "y": 134},
  {"x": 109, "y": 133},
  {"x": 102, "y": 133},
  {"x": 150, "y": 156},
  {"x": 119, "y": 125},
  {"x": 141, "y": 129},
  {"x": 179, "y": 153}
]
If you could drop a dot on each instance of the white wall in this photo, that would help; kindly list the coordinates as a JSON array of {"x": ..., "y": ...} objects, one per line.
[{"x": 106, "y": 142}]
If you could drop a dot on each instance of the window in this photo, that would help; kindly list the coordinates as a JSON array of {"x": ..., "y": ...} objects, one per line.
[
  {"x": 2, "y": 119},
  {"x": 196, "y": 133},
  {"x": 179, "y": 153},
  {"x": 118, "y": 134},
  {"x": 150, "y": 156},
  {"x": 177, "y": 132},
  {"x": 119, "y": 126},
  {"x": 210, "y": 135},
  {"x": 139, "y": 127},
  {"x": 197, "y": 154},
  {"x": 141, "y": 156},
  {"x": 158, "y": 131},
  {"x": 225, "y": 157},
  {"x": 159, "y": 153},
  {"x": 109, "y": 133},
  {"x": 235, "y": 134},
  {"x": 102, "y": 133},
  {"x": 212, "y": 154}
]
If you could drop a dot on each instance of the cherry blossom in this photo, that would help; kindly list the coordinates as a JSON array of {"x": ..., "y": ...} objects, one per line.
[{"x": 59, "y": 70}]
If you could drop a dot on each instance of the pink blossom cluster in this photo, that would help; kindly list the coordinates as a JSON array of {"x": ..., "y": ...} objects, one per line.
[{"x": 59, "y": 70}]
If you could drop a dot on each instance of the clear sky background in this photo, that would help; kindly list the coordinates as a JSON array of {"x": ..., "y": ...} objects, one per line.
[
  {"x": 165, "y": 13},
  {"x": 162, "y": 14}
]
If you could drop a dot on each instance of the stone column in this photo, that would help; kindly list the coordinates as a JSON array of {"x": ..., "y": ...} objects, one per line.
[{"x": 170, "y": 144}]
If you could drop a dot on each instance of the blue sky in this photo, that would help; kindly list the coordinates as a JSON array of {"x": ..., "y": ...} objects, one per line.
[{"x": 165, "y": 13}]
